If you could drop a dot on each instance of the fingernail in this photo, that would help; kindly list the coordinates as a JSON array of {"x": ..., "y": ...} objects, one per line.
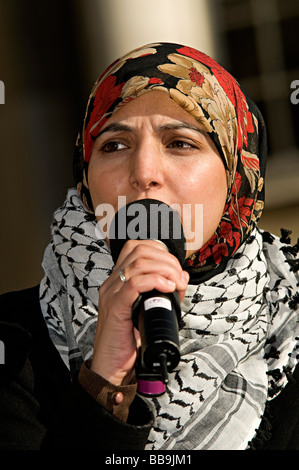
[{"x": 171, "y": 284}]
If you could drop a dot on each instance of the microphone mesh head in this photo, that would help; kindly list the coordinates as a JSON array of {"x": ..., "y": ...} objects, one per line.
[{"x": 147, "y": 219}]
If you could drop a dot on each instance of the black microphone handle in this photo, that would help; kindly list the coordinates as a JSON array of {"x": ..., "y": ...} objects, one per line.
[{"x": 156, "y": 315}]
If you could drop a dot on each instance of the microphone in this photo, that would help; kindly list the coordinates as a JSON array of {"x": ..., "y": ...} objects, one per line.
[{"x": 156, "y": 315}]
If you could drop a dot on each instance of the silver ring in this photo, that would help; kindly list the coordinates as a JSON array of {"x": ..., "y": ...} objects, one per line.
[{"x": 121, "y": 275}]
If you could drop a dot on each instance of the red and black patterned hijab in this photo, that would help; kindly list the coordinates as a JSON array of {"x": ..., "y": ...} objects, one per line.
[{"x": 209, "y": 93}]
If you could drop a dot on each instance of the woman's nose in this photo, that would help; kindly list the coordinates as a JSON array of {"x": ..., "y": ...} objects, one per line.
[{"x": 147, "y": 169}]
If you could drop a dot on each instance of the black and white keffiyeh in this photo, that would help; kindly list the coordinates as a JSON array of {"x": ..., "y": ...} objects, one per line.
[{"x": 238, "y": 338}]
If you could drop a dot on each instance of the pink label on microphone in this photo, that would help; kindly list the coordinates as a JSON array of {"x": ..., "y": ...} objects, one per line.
[{"x": 151, "y": 388}]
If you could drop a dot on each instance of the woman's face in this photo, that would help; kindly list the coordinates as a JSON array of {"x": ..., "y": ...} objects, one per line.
[{"x": 153, "y": 148}]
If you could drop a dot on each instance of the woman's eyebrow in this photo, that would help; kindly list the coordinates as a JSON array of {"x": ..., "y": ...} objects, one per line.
[
  {"x": 116, "y": 127},
  {"x": 181, "y": 125},
  {"x": 119, "y": 127}
]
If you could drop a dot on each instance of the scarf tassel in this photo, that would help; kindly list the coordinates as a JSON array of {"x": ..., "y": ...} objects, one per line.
[{"x": 263, "y": 433}]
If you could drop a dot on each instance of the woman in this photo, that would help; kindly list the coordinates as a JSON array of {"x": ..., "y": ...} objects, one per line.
[{"x": 164, "y": 122}]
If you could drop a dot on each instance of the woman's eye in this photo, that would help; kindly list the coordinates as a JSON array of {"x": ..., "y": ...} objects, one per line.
[
  {"x": 113, "y": 147},
  {"x": 180, "y": 144}
]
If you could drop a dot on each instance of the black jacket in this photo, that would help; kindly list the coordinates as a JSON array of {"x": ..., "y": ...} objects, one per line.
[{"x": 42, "y": 408}]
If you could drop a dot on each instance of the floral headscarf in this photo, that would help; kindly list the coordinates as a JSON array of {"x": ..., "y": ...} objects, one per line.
[{"x": 209, "y": 93}]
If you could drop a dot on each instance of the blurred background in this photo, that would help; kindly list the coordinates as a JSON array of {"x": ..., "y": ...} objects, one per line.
[{"x": 52, "y": 52}]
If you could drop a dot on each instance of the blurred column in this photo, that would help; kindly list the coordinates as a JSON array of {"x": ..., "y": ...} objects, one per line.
[
  {"x": 283, "y": 166},
  {"x": 114, "y": 27},
  {"x": 38, "y": 130}
]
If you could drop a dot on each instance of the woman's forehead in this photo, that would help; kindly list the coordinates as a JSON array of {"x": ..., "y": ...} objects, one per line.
[{"x": 153, "y": 103}]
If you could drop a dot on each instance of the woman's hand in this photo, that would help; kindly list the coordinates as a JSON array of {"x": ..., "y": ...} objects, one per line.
[{"x": 146, "y": 265}]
